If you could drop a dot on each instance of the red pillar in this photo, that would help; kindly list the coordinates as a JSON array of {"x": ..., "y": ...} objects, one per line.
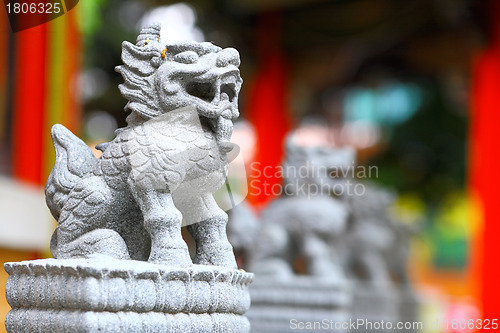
[
  {"x": 484, "y": 167},
  {"x": 29, "y": 103},
  {"x": 267, "y": 109}
]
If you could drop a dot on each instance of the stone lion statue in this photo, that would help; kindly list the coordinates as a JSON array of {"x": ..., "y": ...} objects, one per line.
[
  {"x": 370, "y": 239},
  {"x": 305, "y": 223},
  {"x": 161, "y": 168}
]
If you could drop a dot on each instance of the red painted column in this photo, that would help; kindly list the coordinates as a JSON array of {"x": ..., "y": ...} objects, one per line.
[
  {"x": 484, "y": 168},
  {"x": 29, "y": 103},
  {"x": 267, "y": 110},
  {"x": 73, "y": 110}
]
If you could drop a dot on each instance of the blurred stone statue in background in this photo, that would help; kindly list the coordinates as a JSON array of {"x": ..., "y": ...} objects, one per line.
[
  {"x": 307, "y": 221},
  {"x": 370, "y": 237},
  {"x": 242, "y": 232},
  {"x": 328, "y": 247},
  {"x": 298, "y": 270},
  {"x": 375, "y": 252}
]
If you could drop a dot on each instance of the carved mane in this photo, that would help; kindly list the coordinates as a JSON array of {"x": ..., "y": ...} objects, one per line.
[{"x": 140, "y": 62}]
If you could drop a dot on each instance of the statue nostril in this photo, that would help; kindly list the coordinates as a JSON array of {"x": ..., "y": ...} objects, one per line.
[
  {"x": 228, "y": 57},
  {"x": 235, "y": 61},
  {"x": 222, "y": 61}
]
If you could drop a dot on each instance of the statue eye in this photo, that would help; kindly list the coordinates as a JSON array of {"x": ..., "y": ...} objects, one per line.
[{"x": 186, "y": 57}]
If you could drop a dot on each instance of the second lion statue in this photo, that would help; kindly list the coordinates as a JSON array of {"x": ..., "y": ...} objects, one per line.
[{"x": 161, "y": 168}]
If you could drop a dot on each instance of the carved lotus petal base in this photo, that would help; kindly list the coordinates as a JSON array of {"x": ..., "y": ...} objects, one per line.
[{"x": 103, "y": 295}]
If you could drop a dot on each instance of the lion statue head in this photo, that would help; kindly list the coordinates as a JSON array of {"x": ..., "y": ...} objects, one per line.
[
  {"x": 161, "y": 78},
  {"x": 319, "y": 168}
]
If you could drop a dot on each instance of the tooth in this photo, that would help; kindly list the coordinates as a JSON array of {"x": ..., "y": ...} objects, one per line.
[
  {"x": 224, "y": 129},
  {"x": 218, "y": 83}
]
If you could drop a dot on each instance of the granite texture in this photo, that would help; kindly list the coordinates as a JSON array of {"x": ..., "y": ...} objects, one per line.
[
  {"x": 161, "y": 169},
  {"x": 99, "y": 294}
]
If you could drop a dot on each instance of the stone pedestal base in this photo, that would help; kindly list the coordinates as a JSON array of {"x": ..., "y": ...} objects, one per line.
[
  {"x": 374, "y": 304},
  {"x": 295, "y": 304},
  {"x": 105, "y": 295},
  {"x": 408, "y": 307}
]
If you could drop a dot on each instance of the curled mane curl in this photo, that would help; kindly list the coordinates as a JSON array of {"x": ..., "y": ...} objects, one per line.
[{"x": 140, "y": 62}]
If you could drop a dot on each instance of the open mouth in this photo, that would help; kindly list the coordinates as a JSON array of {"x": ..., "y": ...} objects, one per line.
[
  {"x": 207, "y": 92},
  {"x": 213, "y": 91},
  {"x": 216, "y": 103}
]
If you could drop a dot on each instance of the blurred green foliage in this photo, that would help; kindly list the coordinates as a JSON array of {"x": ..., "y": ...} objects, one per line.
[{"x": 427, "y": 153}]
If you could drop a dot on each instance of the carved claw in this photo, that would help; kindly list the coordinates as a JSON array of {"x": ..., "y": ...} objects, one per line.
[
  {"x": 217, "y": 256},
  {"x": 178, "y": 257},
  {"x": 212, "y": 245}
]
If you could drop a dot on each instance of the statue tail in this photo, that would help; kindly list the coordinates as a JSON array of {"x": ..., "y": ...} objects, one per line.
[{"x": 74, "y": 160}]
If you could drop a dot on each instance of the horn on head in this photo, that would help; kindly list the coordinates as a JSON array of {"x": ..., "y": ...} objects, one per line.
[{"x": 148, "y": 34}]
